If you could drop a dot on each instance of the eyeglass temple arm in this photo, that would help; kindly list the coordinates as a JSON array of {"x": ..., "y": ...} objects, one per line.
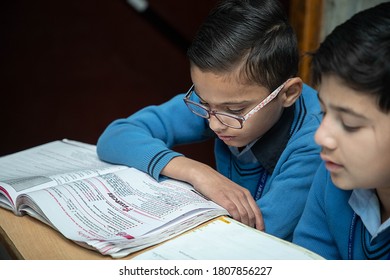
[{"x": 265, "y": 101}]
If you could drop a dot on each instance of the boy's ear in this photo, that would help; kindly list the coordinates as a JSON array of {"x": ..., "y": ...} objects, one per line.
[{"x": 291, "y": 91}]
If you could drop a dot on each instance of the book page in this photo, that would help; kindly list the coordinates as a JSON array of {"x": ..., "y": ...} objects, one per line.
[
  {"x": 226, "y": 239},
  {"x": 50, "y": 164},
  {"x": 118, "y": 210}
]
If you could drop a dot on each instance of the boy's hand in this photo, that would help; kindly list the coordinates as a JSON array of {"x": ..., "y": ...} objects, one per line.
[{"x": 235, "y": 199}]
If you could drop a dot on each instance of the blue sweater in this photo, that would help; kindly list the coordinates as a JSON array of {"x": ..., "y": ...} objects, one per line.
[
  {"x": 330, "y": 228},
  {"x": 287, "y": 153}
]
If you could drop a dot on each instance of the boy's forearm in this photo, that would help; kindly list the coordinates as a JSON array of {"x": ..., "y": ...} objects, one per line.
[{"x": 187, "y": 170}]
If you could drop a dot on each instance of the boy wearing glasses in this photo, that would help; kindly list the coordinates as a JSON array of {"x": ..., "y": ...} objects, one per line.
[
  {"x": 348, "y": 208},
  {"x": 246, "y": 95}
]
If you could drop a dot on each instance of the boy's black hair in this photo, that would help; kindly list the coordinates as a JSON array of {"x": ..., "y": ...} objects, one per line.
[
  {"x": 358, "y": 52},
  {"x": 252, "y": 34}
]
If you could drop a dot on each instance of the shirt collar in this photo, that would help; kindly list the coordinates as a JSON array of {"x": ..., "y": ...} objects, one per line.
[
  {"x": 365, "y": 203},
  {"x": 246, "y": 155}
]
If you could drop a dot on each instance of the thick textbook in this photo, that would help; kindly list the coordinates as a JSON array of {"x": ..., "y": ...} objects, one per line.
[{"x": 113, "y": 209}]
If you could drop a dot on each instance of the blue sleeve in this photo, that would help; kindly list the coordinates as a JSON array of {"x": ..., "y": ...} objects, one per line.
[
  {"x": 145, "y": 139},
  {"x": 312, "y": 231}
]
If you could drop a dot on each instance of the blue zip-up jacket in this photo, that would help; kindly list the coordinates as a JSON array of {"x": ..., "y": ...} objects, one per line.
[
  {"x": 330, "y": 228},
  {"x": 287, "y": 152}
]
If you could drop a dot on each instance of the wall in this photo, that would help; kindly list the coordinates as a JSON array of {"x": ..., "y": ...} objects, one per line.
[
  {"x": 338, "y": 11},
  {"x": 314, "y": 19},
  {"x": 69, "y": 68}
]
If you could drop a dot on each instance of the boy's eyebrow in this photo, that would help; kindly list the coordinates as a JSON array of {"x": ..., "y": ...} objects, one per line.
[
  {"x": 346, "y": 110},
  {"x": 244, "y": 102},
  {"x": 349, "y": 111}
]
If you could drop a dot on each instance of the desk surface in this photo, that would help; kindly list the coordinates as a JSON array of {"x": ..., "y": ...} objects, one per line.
[{"x": 29, "y": 239}]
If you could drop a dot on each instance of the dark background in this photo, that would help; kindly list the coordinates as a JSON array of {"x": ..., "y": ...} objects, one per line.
[{"x": 69, "y": 68}]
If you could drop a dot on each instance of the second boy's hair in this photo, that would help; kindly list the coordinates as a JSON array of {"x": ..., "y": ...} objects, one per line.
[
  {"x": 358, "y": 51},
  {"x": 252, "y": 34}
]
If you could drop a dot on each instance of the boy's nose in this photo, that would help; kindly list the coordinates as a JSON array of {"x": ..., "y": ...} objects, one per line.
[
  {"x": 324, "y": 135},
  {"x": 215, "y": 124}
]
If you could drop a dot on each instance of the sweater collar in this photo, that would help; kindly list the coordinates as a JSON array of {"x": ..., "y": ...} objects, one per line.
[{"x": 270, "y": 146}]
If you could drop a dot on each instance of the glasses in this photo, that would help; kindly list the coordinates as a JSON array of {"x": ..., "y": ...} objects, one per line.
[{"x": 227, "y": 119}]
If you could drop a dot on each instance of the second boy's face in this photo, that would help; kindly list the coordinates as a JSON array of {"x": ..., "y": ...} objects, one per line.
[
  {"x": 355, "y": 137},
  {"x": 222, "y": 93}
]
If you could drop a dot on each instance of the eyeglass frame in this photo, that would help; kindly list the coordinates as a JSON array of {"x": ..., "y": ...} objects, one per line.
[{"x": 240, "y": 119}]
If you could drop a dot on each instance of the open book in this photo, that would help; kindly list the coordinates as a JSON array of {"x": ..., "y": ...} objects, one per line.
[{"x": 113, "y": 209}]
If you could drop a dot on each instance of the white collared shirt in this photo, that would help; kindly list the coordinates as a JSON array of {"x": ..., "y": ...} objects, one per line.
[
  {"x": 246, "y": 155},
  {"x": 365, "y": 203}
]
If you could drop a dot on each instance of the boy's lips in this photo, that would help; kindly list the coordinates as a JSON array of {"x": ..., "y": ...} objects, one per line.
[
  {"x": 331, "y": 165},
  {"x": 225, "y": 137}
]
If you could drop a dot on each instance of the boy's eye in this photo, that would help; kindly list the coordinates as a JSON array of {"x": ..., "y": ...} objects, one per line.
[
  {"x": 204, "y": 104},
  {"x": 349, "y": 128},
  {"x": 350, "y": 124},
  {"x": 226, "y": 110},
  {"x": 234, "y": 111}
]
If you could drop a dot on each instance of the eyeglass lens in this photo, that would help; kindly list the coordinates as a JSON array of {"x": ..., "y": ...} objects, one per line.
[{"x": 223, "y": 118}]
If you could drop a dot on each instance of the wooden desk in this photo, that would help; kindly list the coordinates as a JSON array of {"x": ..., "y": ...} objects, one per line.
[{"x": 29, "y": 239}]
